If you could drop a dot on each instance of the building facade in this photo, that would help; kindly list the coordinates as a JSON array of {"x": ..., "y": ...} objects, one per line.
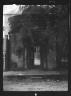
[{"x": 21, "y": 56}]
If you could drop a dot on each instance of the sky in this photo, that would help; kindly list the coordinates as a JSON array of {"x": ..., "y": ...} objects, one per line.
[
  {"x": 8, "y": 11},
  {"x": 11, "y": 10}
]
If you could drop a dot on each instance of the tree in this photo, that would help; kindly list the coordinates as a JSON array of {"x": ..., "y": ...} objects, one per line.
[{"x": 37, "y": 23}]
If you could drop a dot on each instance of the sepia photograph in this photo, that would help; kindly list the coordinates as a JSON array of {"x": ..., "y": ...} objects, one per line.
[{"x": 35, "y": 47}]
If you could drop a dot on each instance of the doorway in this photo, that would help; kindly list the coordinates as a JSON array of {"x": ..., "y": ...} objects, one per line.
[{"x": 37, "y": 63}]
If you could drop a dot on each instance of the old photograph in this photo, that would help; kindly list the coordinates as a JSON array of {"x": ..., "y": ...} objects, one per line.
[{"x": 35, "y": 47}]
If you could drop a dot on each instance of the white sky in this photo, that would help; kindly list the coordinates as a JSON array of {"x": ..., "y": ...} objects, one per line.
[{"x": 11, "y": 10}]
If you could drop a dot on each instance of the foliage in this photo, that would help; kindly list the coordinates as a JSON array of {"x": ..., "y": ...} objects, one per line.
[
  {"x": 62, "y": 37},
  {"x": 38, "y": 23}
]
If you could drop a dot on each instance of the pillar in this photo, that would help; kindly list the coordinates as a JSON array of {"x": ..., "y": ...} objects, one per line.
[{"x": 5, "y": 42}]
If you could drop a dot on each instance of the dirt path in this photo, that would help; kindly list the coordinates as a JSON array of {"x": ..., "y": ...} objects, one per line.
[{"x": 35, "y": 85}]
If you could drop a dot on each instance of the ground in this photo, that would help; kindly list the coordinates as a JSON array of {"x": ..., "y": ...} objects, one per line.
[{"x": 34, "y": 83}]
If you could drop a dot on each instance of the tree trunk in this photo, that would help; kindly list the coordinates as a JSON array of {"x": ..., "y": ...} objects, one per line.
[
  {"x": 29, "y": 57},
  {"x": 58, "y": 56},
  {"x": 45, "y": 55},
  {"x": 25, "y": 57},
  {"x": 41, "y": 56},
  {"x": 47, "y": 44},
  {"x": 32, "y": 57}
]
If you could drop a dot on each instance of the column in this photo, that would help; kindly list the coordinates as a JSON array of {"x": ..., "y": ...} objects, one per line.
[{"x": 5, "y": 52}]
